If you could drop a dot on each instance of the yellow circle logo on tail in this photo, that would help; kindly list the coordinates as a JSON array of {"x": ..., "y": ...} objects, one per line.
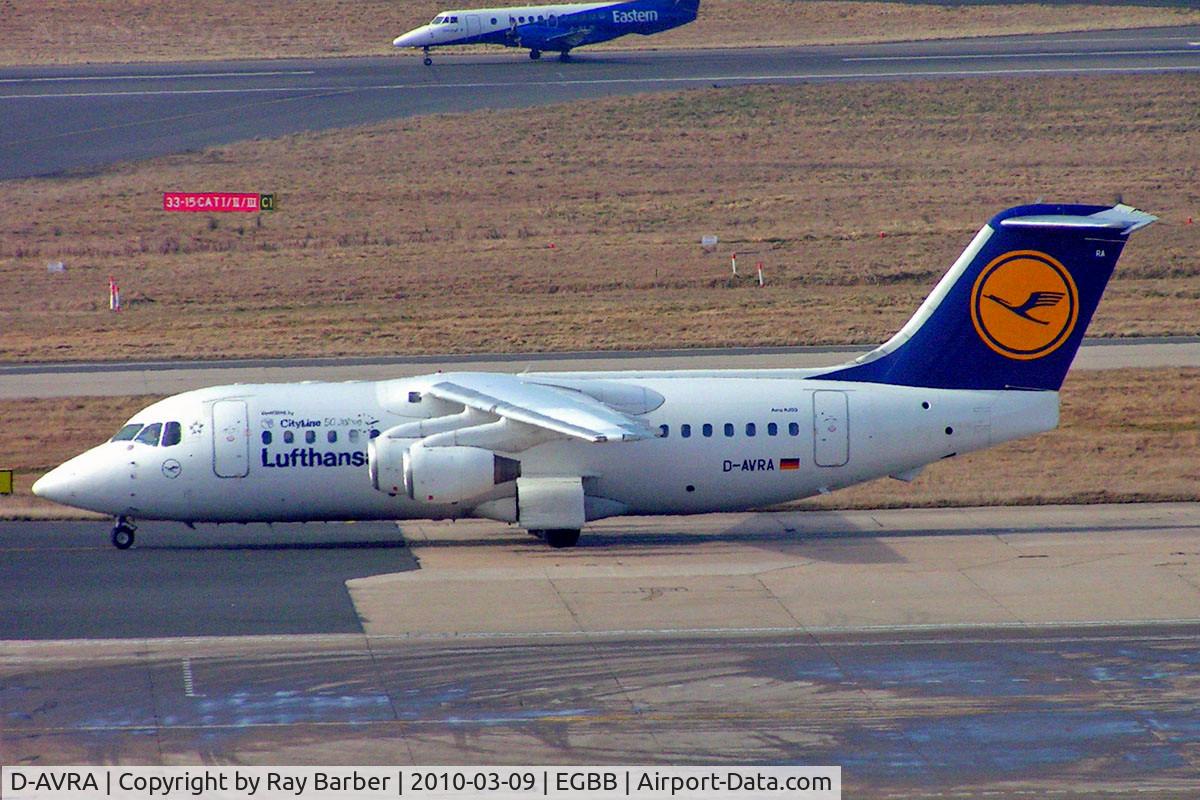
[{"x": 1024, "y": 305}]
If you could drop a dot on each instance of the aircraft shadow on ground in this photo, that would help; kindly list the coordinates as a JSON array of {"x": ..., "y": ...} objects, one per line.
[{"x": 393, "y": 544}]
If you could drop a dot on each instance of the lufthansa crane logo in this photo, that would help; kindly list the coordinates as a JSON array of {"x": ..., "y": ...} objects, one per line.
[{"x": 1024, "y": 305}]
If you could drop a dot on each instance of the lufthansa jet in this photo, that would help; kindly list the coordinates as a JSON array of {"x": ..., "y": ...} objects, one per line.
[
  {"x": 979, "y": 363},
  {"x": 558, "y": 28}
]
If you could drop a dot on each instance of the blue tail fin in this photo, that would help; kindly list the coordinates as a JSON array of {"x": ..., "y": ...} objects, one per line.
[{"x": 1013, "y": 309}]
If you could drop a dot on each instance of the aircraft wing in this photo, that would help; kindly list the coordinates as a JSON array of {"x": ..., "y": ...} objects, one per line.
[
  {"x": 550, "y": 408},
  {"x": 571, "y": 37}
]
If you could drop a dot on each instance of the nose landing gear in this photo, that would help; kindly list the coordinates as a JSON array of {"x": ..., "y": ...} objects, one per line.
[
  {"x": 428, "y": 60},
  {"x": 122, "y": 533}
]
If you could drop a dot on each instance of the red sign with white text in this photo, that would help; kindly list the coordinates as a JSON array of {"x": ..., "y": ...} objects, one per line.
[{"x": 213, "y": 201}]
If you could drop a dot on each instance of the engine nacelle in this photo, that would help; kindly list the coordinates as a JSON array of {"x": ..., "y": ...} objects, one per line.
[
  {"x": 385, "y": 463},
  {"x": 454, "y": 474}
]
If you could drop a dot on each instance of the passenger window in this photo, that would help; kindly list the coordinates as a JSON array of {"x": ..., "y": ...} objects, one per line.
[
  {"x": 750, "y": 429},
  {"x": 127, "y": 433},
  {"x": 149, "y": 434},
  {"x": 707, "y": 429},
  {"x": 331, "y": 436},
  {"x": 772, "y": 429},
  {"x": 310, "y": 437},
  {"x": 685, "y": 431},
  {"x": 266, "y": 437},
  {"x": 288, "y": 437},
  {"x": 541, "y": 18},
  {"x": 664, "y": 431},
  {"x": 793, "y": 429},
  {"x": 172, "y": 434},
  {"x": 493, "y": 20},
  {"x": 522, "y": 19},
  {"x": 729, "y": 429},
  {"x": 354, "y": 435}
]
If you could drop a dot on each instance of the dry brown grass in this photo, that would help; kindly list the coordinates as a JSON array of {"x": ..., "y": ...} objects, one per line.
[
  {"x": 76, "y": 31},
  {"x": 421, "y": 235},
  {"x": 1126, "y": 435}
]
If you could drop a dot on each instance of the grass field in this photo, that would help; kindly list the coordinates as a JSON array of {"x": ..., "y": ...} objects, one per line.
[
  {"x": 1129, "y": 435},
  {"x": 78, "y": 31},
  {"x": 578, "y": 227}
]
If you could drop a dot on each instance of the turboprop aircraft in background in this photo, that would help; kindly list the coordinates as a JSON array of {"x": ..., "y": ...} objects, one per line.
[
  {"x": 980, "y": 363},
  {"x": 559, "y": 28}
]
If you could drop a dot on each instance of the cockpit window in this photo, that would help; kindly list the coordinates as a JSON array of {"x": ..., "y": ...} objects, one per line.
[
  {"x": 436, "y": 21},
  {"x": 149, "y": 434},
  {"x": 127, "y": 433},
  {"x": 172, "y": 434}
]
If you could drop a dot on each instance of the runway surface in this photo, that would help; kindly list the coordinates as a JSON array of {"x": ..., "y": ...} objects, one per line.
[
  {"x": 167, "y": 377},
  {"x": 1041, "y": 651},
  {"x": 77, "y": 117}
]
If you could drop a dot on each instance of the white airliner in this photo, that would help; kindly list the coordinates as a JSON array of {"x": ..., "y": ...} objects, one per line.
[
  {"x": 979, "y": 363},
  {"x": 560, "y": 27}
]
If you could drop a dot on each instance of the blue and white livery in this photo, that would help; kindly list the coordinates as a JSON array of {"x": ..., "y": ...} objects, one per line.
[
  {"x": 980, "y": 363},
  {"x": 555, "y": 28}
]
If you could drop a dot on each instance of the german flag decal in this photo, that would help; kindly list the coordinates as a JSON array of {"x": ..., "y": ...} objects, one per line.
[{"x": 789, "y": 463}]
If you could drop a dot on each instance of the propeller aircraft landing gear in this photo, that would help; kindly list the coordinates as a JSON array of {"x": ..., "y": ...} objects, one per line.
[
  {"x": 428, "y": 60},
  {"x": 535, "y": 54},
  {"x": 564, "y": 56},
  {"x": 122, "y": 533}
]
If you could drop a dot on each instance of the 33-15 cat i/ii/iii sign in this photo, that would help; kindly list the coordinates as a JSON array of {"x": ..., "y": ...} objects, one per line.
[{"x": 211, "y": 202}]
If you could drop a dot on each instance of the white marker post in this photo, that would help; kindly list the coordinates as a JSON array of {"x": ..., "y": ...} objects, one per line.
[
  {"x": 114, "y": 295},
  {"x": 760, "y": 274},
  {"x": 733, "y": 263}
]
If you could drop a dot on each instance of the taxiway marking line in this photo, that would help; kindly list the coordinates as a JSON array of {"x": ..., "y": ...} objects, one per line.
[
  {"x": 73, "y": 78},
  {"x": 1044, "y": 54},
  {"x": 303, "y": 92},
  {"x": 936, "y": 634}
]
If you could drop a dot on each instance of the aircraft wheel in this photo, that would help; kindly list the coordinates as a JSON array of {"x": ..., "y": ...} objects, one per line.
[
  {"x": 564, "y": 537},
  {"x": 428, "y": 61},
  {"x": 535, "y": 54},
  {"x": 564, "y": 56},
  {"x": 122, "y": 536}
]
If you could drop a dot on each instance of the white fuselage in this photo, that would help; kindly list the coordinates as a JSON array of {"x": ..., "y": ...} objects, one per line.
[{"x": 289, "y": 452}]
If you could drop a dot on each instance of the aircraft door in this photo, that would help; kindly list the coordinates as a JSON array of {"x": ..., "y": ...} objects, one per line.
[
  {"x": 831, "y": 428},
  {"x": 472, "y": 25},
  {"x": 231, "y": 439}
]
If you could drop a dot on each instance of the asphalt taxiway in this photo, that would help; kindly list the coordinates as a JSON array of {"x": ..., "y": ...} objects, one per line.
[
  {"x": 1049, "y": 651},
  {"x": 87, "y": 116},
  {"x": 169, "y": 377}
]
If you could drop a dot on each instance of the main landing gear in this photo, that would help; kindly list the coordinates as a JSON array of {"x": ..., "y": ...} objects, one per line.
[
  {"x": 559, "y": 537},
  {"x": 428, "y": 60},
  {"x": 535, "y": 54},
  {"x": 122, "y": 533},
  {"x": 564, "y": 56}
]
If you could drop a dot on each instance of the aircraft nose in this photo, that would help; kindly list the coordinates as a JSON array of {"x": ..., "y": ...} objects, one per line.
[
  {"x": 411, "y": 39},
  {"x": 83, "y": 482},
  {"x": 54, "y": 485}
]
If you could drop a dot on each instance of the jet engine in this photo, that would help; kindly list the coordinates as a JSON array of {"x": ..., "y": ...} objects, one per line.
[
  {"x": 385, "y": 463},
  {"x": 454, "y": 474}
]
